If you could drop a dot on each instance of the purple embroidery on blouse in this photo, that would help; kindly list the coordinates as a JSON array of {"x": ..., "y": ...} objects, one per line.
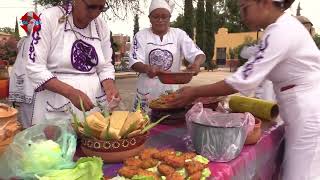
[
  {"x": 83, "y": 56},
  {"x": 161, "y": 58},
  {"x": 248, "y": 68},
  {"x": 135, "y": 48},
  {"x": 35, "y": 40}
]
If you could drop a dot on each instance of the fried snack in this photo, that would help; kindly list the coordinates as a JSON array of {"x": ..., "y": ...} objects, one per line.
[
  {"x": 166, "y": 170},
  {"x": 147, "y": 153},
  {"x": 142, "y": 172},
  {"x": 195, "y": 176},
  {"x": 128, "y": 171},
  {"x": 174, "y": 176},
  {"x": 162, "y": 154},
  {"x": 133, "y": 162},
  {"x": 193, "y": 167},
  {"x": 149, "y": 163},
  {"x": 174, "y": 161},
  {"x": 188, "y": 155},
  {"x": 162, "y": 101}
]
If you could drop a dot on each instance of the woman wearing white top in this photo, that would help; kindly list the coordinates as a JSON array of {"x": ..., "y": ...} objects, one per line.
[
  {"x": 289, "y": 58},
  {"x": 20, "y": 88},
  {"x": 69, "y": 59},
  {"x": 161, "y": 48}
]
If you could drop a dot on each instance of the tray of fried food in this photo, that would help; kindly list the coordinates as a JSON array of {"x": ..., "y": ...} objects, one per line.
[
  {"x": 166, "y": 164},
  {"x": 161, "y": 103}
]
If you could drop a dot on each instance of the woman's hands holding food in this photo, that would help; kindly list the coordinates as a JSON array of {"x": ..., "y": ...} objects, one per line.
[{"x": 185, "y": 95}]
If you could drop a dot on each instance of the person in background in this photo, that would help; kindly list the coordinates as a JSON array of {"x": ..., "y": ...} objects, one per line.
[
  {"x": 161, "y": 48},
  {"x": 20, "y": 88},
  {"x": 70, "y": 59},
  {"x": 288, "y": 57}
]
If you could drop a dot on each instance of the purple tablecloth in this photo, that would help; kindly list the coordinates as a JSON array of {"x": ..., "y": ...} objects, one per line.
[{"x": 259, "y": 161}]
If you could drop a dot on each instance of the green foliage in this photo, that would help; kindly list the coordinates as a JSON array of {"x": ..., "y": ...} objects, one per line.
[
  {"x": 179, "y": 22},
  {"x": 7, "y": 30},
  {"x": 200, "y": 29},
  {"x": 136, "y": 24},
  {"x": 115, "y": 46},
  {"x": 50, "y": 2},
  {"x": 16, "y": 29},
  {"x": 235, "y": 52},
  {"x": 316, "y": 39},
  {"x": 188, "y": 18},
  {"x": 232, "y": 17}
]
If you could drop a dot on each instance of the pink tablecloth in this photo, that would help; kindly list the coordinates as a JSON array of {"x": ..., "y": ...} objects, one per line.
[{"x": 259, "y": 161}]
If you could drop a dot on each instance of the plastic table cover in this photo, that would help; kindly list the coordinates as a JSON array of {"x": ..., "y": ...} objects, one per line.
[{"x": 259, "y": 161}]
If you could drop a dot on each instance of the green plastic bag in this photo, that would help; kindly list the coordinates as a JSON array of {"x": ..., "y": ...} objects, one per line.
[
  {"x": 39, "y": 150},
  {"x": 86, "y": 168}
]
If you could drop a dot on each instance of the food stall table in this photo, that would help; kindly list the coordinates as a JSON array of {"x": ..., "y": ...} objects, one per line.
[{"x": 259, "y": 161}]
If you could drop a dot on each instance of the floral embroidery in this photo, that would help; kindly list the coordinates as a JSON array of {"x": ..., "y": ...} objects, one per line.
[
  {"x": 161, "y": 58},
  {"x": 35, "y": 40},
  {"x": 83, "y": 56},
  {"x": 248, "y": 68}
]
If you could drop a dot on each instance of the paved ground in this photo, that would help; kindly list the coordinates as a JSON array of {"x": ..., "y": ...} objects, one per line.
[{"x": 127, "y": 84}]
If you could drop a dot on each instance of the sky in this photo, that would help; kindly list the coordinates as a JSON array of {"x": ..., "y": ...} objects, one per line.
[{"x": 10, "y": 9}]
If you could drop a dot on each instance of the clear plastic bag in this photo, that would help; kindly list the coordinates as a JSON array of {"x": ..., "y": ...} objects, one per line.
[
  {"x": 215, "y": 135},
  {"x": 39, "y": 150}
]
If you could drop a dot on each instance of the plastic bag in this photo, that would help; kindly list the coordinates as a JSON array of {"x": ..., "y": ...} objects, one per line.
[
  {"x": 215, "y": 135},
  {"x": 39, "y": 150}
]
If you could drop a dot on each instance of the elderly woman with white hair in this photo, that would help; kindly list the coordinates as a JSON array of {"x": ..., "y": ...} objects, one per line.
[{"x": 161, "y": 48}]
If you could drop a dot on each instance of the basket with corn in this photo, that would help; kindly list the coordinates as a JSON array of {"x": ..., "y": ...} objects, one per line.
[{"x": 115, "y": 135}]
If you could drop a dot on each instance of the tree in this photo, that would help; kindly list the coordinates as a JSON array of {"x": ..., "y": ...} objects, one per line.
[
  {"x": 7, "y": 30},
  {"x": 200, "y": 24},
  {"x": 16, "y": 29},
  {"x": 209, "y": 33},
  {"x": 117, "y": 8},
  {"x": 188, "y": 18},
  {"x": 179, "y": 22},
  {"x": 316, "y": 39},
  {"x": 232, "y": 17},
  {"x": 136, "y": 24}
]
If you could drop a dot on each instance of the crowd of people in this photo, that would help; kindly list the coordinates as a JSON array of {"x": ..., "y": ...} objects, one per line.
[{"x": 68, "y": 60}]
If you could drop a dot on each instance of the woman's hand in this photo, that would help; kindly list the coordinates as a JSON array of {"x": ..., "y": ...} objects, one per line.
[
  {"x": 75, "y": 95},
  {"x": 185, "y": 95},
  {"x": 194, "y": 68},
  {"x": 110, "y": 89},
  {"x": 112, "y": 92},
  {"x": 152, "y": 71},
  {"x": 70, "y": 93}
]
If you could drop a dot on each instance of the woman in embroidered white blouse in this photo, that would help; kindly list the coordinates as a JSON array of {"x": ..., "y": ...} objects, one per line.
[
  {"x": 288, "y": 57},
  {"x": 69, "y": 59},
  {"x": 161, "y": 48}
]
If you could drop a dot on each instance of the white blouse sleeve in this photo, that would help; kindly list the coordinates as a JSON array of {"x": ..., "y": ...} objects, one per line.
[
  {"x": 273, "y": 49},
  {"x": 137, "y": 52},
  {"x": 188, "y": 48},
  {"x": 38, "y": 53},
  {"x": 105, "y": 70}
]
